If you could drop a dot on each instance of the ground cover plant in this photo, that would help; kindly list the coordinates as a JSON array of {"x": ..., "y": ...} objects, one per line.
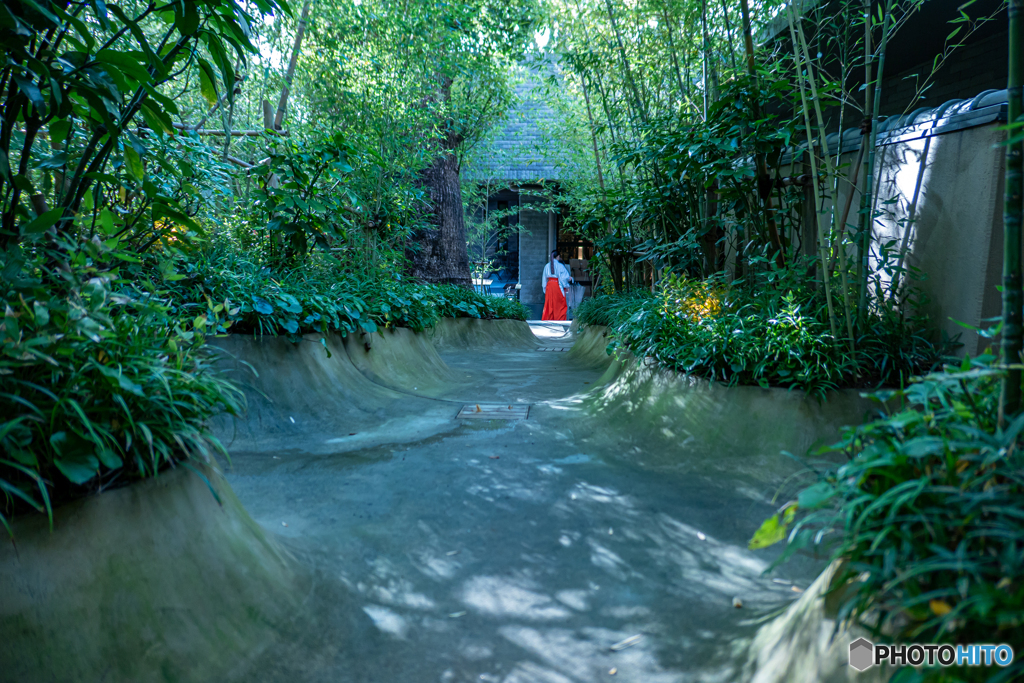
[
  {"x": 772, "y": 337},
  {"x": 924, "y": 514},
  {"x": 318, "y": 297}
]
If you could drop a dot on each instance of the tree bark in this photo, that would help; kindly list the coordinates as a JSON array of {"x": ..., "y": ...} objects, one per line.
[{"x": 440, "y": 254}]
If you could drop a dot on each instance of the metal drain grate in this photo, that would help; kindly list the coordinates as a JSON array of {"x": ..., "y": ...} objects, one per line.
[
  {"x": 554, "y": 348},
  {"x": 493, "y": 411}
]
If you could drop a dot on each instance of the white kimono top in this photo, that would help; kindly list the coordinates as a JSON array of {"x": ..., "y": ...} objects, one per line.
[{"x": 561, "y": 272}]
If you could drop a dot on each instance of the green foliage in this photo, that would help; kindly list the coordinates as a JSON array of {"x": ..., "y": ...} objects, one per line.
[
  {"x": 925, "y": 515},
  {"x": 107, "y": 380},
  {"x": 772, "y": 337},
  {"x": 99, "y": 385},
  {"x": 220, "y": 290},
  {"x": 451, "y": 301},
  {"x": 609, "y": 311},
  {"x": 87, "y": 78}
]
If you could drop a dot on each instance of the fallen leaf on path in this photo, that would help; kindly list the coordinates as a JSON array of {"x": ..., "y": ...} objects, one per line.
[
  {"x": 737, "y": 603},
  {"x": 456, "y": 615},
  {"x": 628, "y": 642},
  {"x": 478, "y": 408},
  {"x": 452, "y": 552},
  {"x": 494, "y": 457},
  {"x": 612, "y": 671},
  {"x": 796, "y": 590},
  {"x": 284, "y": 523}
]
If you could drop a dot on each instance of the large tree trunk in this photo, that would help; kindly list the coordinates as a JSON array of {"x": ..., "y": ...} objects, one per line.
[{"x": 440, "y": 254}]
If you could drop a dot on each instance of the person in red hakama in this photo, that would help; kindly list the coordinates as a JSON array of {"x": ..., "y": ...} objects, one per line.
[{"x": 555, "y": 282}]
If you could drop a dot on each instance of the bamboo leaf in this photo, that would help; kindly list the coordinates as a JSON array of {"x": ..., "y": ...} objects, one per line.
[
  {"x": 43, "y": 222},
  {"x": 133, "y": 162},
  {"x": 207, "y": 82}
]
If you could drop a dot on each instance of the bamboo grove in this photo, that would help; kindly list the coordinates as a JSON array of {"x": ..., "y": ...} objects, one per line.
[{"x": 706, "y": 142}]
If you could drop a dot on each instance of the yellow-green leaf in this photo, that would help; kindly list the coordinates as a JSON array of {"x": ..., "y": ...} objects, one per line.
[
  {"x": 133, "y": 162},
  {"x": 771, "y": 532},
  {"x": 207, "y": 82}
]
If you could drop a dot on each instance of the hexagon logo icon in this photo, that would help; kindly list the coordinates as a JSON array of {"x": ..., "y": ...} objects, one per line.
[{"x": 862, "y": 654}]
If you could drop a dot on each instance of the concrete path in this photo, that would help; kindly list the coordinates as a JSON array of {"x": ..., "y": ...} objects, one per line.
[{"x": 535, "y": 551}]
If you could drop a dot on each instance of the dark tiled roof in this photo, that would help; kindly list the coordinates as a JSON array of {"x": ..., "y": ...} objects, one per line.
[{"x": 517, "y": 150}]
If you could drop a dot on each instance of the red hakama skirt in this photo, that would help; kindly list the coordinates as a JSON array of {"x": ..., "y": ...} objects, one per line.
[{"x": 554, "y": 301}]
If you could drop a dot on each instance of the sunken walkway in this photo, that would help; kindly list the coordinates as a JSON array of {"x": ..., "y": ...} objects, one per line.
[{"x": 474, "y": 503}]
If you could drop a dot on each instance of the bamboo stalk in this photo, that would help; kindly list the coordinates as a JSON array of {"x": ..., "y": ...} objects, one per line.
[
  {"x": 822, "y": 243},
  {"x": 675, "y": 57},
  {"x": 864, "y": 222},
  {"x": 282, "y": 104},
  {"x": 911, "y": 217},
  {"x": 830, "y": 172},
  {"x": 868, "y": 219},
  {"x": 845, "y": 216},
  {"x": 593, "y": 136},
  {"x": 706, "y": 55},
  {"x": 1013, "y": 205},
  {"x": 625, "y": 63},
  {"x": 759, "y": 159},
  {"x": 268, "y": 116},
  {"x": 728, "y": 35},
  {"x": 239, "y": 162}
]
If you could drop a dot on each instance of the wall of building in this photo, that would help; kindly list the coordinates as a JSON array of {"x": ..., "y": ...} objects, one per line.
[
  {"x": 954, "y": 242},
  {"x": 533, "y": 253},
  {"x": 956, "y": 237}
]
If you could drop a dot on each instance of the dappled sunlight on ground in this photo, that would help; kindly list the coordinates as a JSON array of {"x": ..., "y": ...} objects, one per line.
[{"x": 523, "y": 551}]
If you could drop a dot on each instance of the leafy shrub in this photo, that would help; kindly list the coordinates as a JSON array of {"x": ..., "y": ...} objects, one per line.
[
  {"x": 225, "y": 291},
  {"x": 925, "y": 513},
  {"x": 451, "y": 301},
  {"x": 609, "y": 311},
  {"x": 98, "y": 386},
  {"x": 774, "y": 337}
]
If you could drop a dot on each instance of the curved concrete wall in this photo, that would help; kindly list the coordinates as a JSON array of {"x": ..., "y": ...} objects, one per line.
[
  {"x": 669, "y": 421},
  {"x": 156, "y": 581},
  {"x": 475, "y": 333},
  {"x": 663, "y": 406},
  {"x": 296, "y": 391},
  {"x": 160, "y": 582}
]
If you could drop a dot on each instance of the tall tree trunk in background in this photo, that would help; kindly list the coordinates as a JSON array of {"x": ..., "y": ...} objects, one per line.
[
  {"x": 1009, "y": 400},
  {"x": 440, "y": 254}
]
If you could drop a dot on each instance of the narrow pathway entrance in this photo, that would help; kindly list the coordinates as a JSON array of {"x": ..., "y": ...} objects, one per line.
[{"x": 544, "y": 550}]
